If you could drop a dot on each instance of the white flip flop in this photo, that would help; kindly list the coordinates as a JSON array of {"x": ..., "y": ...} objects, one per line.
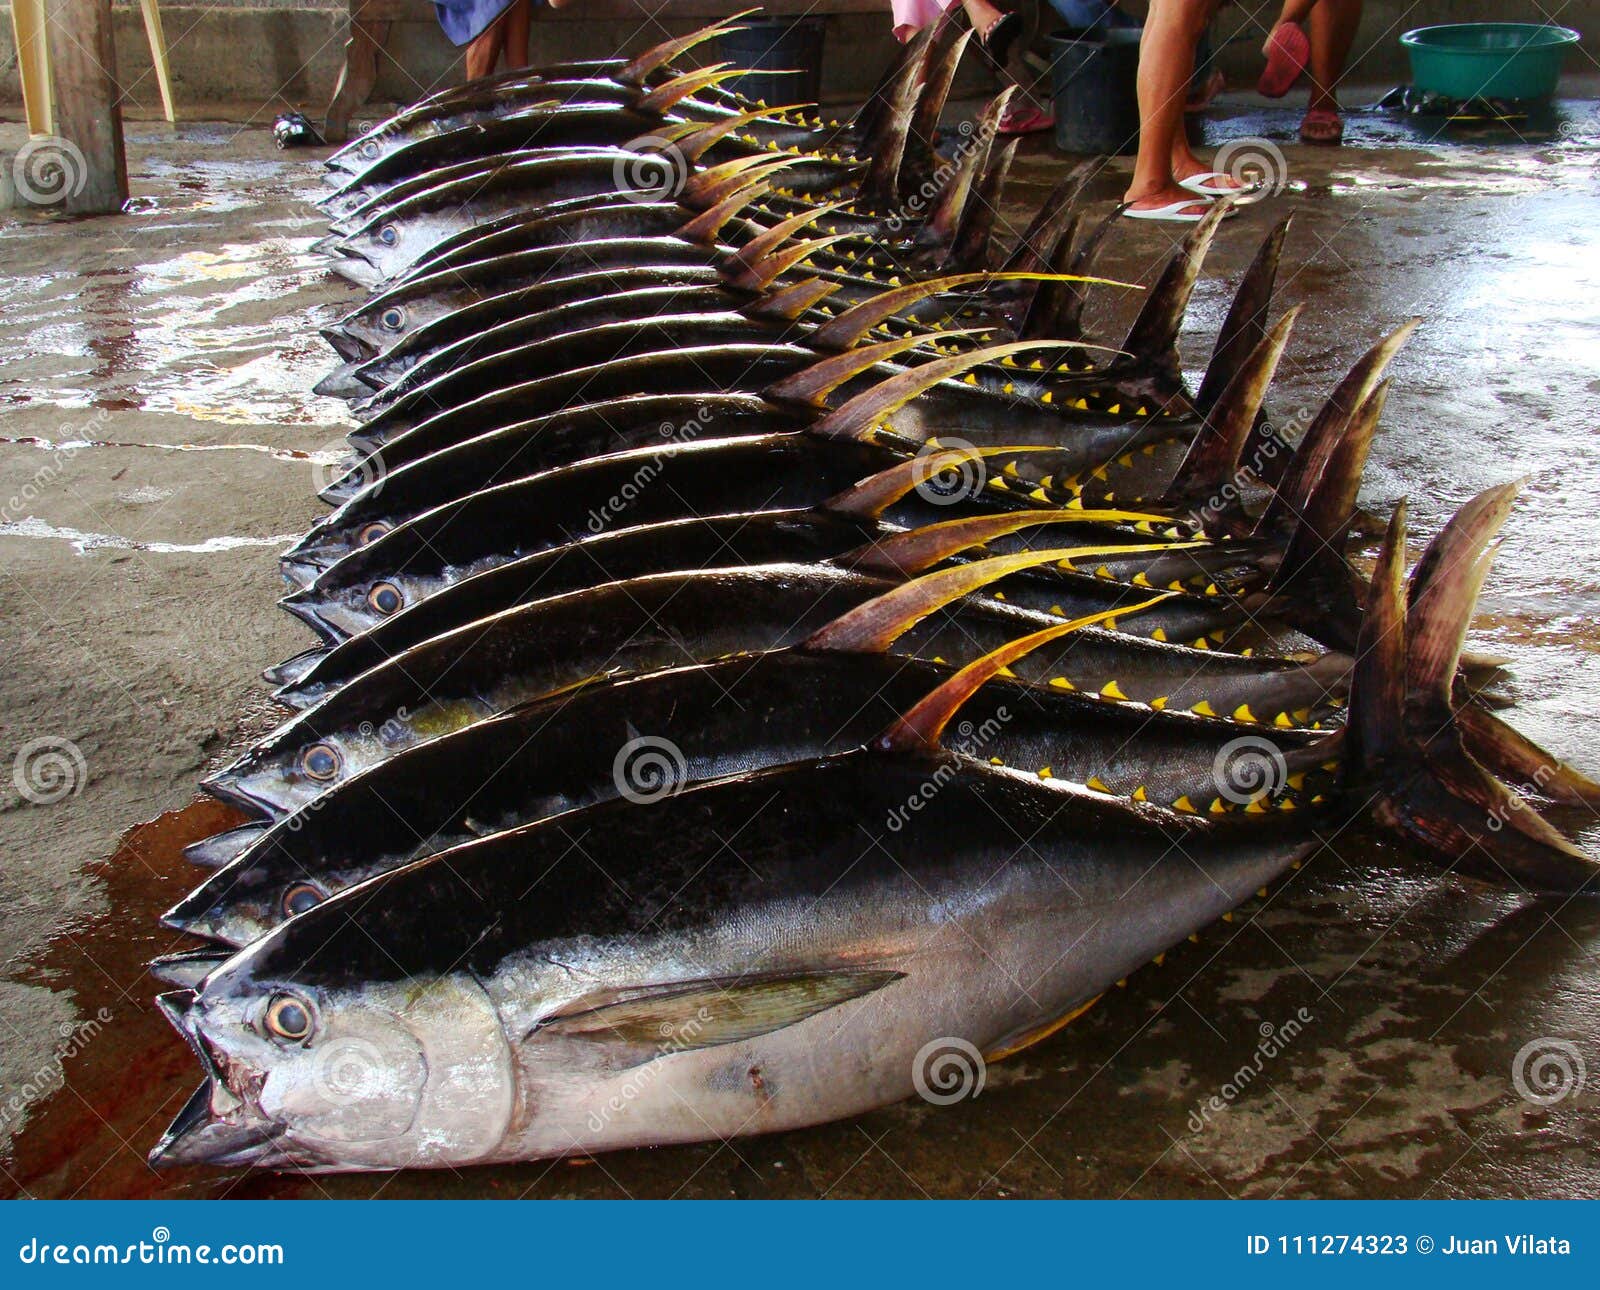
[
  {"x": 1206, "y": 186},
  {"x": 1172, "y": 213}
]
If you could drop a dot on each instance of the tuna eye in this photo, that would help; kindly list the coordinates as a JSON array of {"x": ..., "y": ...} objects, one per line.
[
  {"x": 369, "y": 148},
  {"x": 394, "y": 318},
  {"x": 385, "y": 598},
  {"x": 320, "y": 761},
  {"x": 371, "y": 534},
  {"x": 299, "y": 898},
  {"x": 288, "y": 1018},
  {"x": 387, "y": 235}
]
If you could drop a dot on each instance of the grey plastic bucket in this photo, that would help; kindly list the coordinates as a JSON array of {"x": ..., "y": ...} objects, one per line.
[{"x": 1094, "y": 83}]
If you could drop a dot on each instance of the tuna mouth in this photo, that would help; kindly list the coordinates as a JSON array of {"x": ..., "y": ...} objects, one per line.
[
  {"x": 305, "y": 605},
  {"x": 288, "y": 674},
  {"x": 228, "y": 786},
  {"x": 343, "y": 382},
  {"x": 349, "y": 347},
  {"x": 187, "y": 969},
  {"x": 223, "y": 848},
  {"x": 215, "y": 1127}
]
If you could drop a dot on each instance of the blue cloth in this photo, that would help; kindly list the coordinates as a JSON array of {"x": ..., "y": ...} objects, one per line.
[
  {"x": 465, "y": 20},
  {"x": 1093, "y": 16}
]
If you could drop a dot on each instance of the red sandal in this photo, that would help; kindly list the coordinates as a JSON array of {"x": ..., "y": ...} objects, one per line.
[{"x": 1288, "y": 49}]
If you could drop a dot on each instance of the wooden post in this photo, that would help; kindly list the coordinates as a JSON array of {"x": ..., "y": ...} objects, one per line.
[
  {"x": 158, "y": 55},
  {"x": 88, "y": 116},
  {"x": 33, "y": 68}
]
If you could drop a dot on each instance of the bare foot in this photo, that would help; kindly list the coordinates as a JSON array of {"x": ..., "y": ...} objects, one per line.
[
  {"x": 1187, "y": 167},
  {"x": 1192, "y": 205}
]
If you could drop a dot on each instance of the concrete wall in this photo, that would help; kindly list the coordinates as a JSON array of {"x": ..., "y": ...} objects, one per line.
[{"x": 269, "y": 54}]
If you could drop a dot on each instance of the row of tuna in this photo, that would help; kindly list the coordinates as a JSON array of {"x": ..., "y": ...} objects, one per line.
[{"x": 763, "y": 638}]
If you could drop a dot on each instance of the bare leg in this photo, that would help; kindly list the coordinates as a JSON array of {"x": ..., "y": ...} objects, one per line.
[
  {"x": 1332, "y": 32},
  {"x": 1295, "y": 11},
  {"x": 982, "y": 15},
  {"x": 518, "y": 31},
  {"x": 483, "y": 51},
  {"x": 1166, "y": 63}
]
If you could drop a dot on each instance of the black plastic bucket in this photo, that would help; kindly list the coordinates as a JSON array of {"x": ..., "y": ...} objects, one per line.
[
  {"x": 784, "y": 55},
  {"x": 1094, "y": 83}
]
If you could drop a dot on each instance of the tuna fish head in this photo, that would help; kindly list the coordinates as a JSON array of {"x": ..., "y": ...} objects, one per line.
[
  {"x": 297, "y": 763},
  {"x": 328, "y": 1072}
]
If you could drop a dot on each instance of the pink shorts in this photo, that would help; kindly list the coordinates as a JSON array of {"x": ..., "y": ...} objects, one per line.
[{"x": 913, "y": 15}]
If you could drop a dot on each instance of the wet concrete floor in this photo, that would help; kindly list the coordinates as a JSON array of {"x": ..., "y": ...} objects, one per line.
[{"x": 1364, "y": 1031}]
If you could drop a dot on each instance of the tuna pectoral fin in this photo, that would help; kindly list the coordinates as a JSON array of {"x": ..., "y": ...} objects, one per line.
[
  {"x": 702, "y": 1014},
  {"x": 1429, "y": 785}
]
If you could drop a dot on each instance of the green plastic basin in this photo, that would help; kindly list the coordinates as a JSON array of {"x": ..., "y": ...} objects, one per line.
[{"x": 1488, "y": 60}]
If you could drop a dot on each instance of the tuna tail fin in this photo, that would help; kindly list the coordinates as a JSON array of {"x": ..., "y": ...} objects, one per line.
[
  {"x": 637, "y": 72},
  {"x": 1246, "y": 322},
  {"x": 1066, "y": 319},
  {"x": 944, "y": 56},
  {"x": 950, "y": 202},
  {"x": 1328, "y": 428},
  {"x": 1212, "y": 462},
  {"x": 879, "y": 189},
  {"x": 1037, "y": 246},
  {"x": 971, "y": 248},
  {"x": 1429, "y": 786},
  {"x": 920, "y": 728},
  {"x": 1315, "y": 554},
  {"x": 1153, "y": 339}
]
